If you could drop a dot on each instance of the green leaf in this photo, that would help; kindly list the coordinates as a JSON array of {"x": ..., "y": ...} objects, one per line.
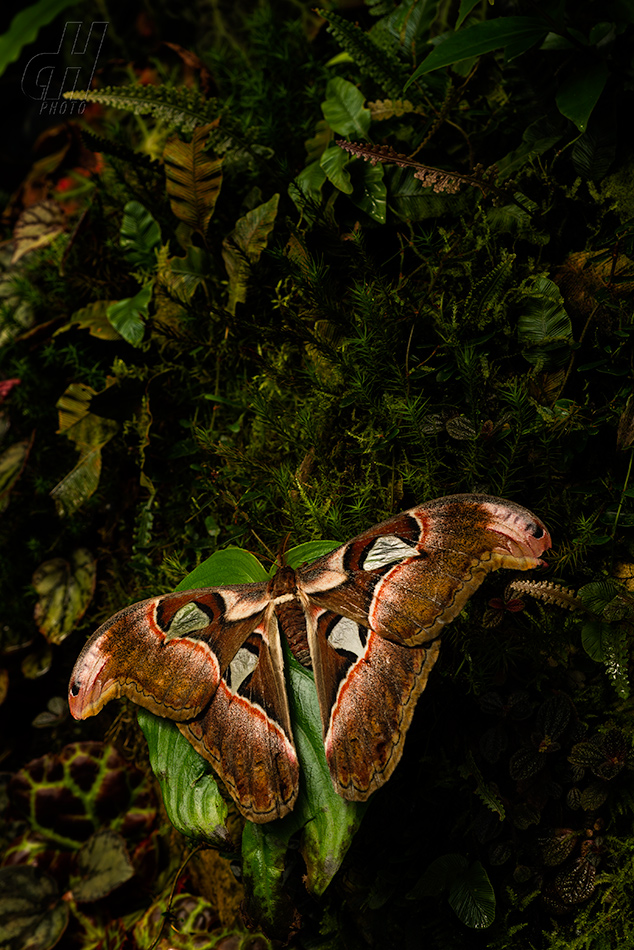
[
  {"x": 343, "y": 108},
  {"x": 128, "y": 316},
  {"x": 80, "y": 483},
  {"x": 466, "y": 6},
  {"x": 25, "y": 27},
  {"x": 12, "y": 462},
  {"x": 608, "y": 643},
  {"x": 514, "y": 33},
  {"x": 90, "y": 433},
  {"x": 37, "y": 226},
  {"x": 472, "y": 897},
  {"x": 31, "y": 913},
  {"x": 193, "y": 179},
  {"x": 580, "y": 92},
  {"x": 597, "y": 596},
  {"x": 334, "y": 162},
  {"x": 187, "y": 273},
  {"x": 65, "y": 590},
  {"x": 139, "y": 235},
  {"x": 103, "y": 864},
  {"x": 328, "y": 821},
  {"x": 243, "y": 247},
  {"x": 544, "y": 327},
  {"x": 305, "y": 189},
  {"x": 410, "y": 201},
  {"x": 190, "y": 792},
  {"x": 94, "y": 318},
  {"x": 263, "y": 863},
  {"x": 370, "y": 193}
]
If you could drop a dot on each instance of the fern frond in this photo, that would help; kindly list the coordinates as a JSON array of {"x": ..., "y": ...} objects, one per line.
[
  {"x": 488, "y": 292},
  {"x": 437, "y": 178},
  {"x": 377, "y": 63},
  {"x": 179, "y": 106},
  {"x": 549, "y": 592},
  {"x": 388, "y": 108}
]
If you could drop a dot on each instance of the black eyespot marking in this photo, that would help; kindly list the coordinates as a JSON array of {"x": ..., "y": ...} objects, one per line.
[
  {"x": 538, "y": 531},
  {"x": 74, "y": 689}
]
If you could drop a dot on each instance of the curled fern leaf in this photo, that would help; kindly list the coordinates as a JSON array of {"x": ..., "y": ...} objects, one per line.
[{"x": 548, "y": 592}]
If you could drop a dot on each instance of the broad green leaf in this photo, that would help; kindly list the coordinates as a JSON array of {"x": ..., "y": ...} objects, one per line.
[
  {"x": 193, "y": 178},
  {"x": 128, "y": 316},
  {"x": 306, "y": 553},
  {"x": 37, "y": 226},
  {"x": 329, "y": 822},
  {"x": 73, "y": 406},
  {"x": 12, "y": 462},
  {"x": 410, "y": 21},
  {"x": 333, "y": 163},
  {"x": 229, "y": 566},
  {"x": 343, "y": 108},
  {"x": 544, "y": 327},
  {"x": 90, "y": 433},
  {"x": 139, "y": 235},
  {"x": 94, "y": 318},
  {"x": 187, "y": 273},
  {"x": 580, "y": 92},
  {"x": 370, "y": 193},
  {"x": 83, "y": 427},
  {"x": 190, "y": 792},
  {"x": 597, "y": 596},
  {"x": 25, "y": 27},
  {"x": 514, "y": 33},
  {"x": 305, "y": 189},
  {"x": 472, "y": 897},
  {"x": 103, "y": 864},
  {"x": 243, "y": 247},
  {"x": 408, "y": 199},
  {"x": 65, "y": 590},
  {"x": 80, "y": 483},
  {"x": 263, "y": 863},
  {"x": 32, "y": 915}
]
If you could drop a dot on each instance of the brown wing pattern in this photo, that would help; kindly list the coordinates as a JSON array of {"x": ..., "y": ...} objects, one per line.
[
  {"x": 409, "y": 576},
  {"x": 166, "y": 654},
  {"x": 246, "y": 730},
  {"x": 367, "y": 688}
]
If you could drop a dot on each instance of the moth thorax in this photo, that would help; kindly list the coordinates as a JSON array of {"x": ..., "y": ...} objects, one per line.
[{"x": 292, "y": 621}]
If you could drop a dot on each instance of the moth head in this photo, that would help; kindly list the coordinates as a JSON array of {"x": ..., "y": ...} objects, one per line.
[
  {"x": 521, "y": 538},
  {"x": 90, "y": 687}
]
